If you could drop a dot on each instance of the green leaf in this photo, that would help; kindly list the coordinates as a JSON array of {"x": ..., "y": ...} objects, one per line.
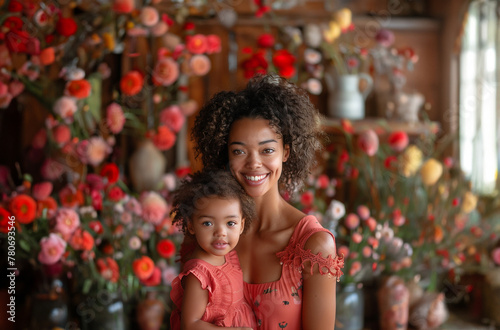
[
  {"x": 24, "y": 245},
  {"x": 87, "y": 284},
  {"x": 94, "y": 100}
]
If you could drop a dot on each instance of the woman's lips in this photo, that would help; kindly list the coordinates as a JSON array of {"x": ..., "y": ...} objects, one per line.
[{"x": 255, "y": 180}]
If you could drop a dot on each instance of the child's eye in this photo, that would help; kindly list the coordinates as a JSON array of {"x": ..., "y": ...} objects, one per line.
[
  {"x": 231, "y": 223},
  {"x": 206, "y": 223}
]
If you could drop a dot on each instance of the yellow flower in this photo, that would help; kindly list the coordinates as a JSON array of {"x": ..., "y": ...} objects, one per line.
[
  {"x": 411, "y": 160},
  {"x": 343, "y": 17},
  {"x": 469, "y": 202},
  {"x": 431, "y": 171},
  {"x": 332, "y": 33},
  {"x": 109, "y": 41}
]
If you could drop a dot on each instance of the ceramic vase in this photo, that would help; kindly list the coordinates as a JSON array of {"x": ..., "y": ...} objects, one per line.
[
  {"x": 150, "y": 312},
  {"x": 345, "y": 99},
  {"x": 393, "y": 301},
  {"x": 349, "y": 307}
]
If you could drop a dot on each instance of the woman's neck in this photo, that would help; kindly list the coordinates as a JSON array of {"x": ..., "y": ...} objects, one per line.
[{"x": 271, "y": 208}]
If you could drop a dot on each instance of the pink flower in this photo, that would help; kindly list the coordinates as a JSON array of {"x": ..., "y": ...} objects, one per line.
[
  {"x": 115, "y": 118},
  {"x": 97, "y": 150},
  {"x": 133, "y": 205},
  {"x": 314, "y": 86},
  {"x": 189, "y": 107},
  {"x": 16, "y": 87},
  {"x": 5, "y": 60},
  {"x": 363, "y": 212},
  {"x": 357, "y": 238},
  {"x": 373, "y": 242},
  {"x": 343, "y": 251},
  {"x": 351, "y": 221},
  {"x": 159, "y": 29},
  {"x": 367, "y": 251},
  {"x": 398, "y": 140},
  {"x": 154, "y": 207},
  {"x": 149, "y": 16},
  {"x": 104, "y": 70},
  {"x": 123, "y": 6},
  {"x": 61, "y": 134},
  {"x": 371, "y": 223},
  {"x": 172, "y": 117},
  {"x": 355, "y": 268},
  {"x": 368, "y": 142},
  {"x": 40, "y": 139},
  {"x": 398, "y": 219},
  {"x": 30, "y": 70},
  {"x": 67, "y": 221},
  {"x": 166, "y": 72},
  {"x": 495, "y": 255},
  {"x": 52, "y": 249},
  {"x": 200, "y": 65},
  {"x": 197, "y": 44},
  {"x": 385, "y": 37},
  {"x": 42, "y": 190},
  {"x": 95, "y": 181},
  {"x": 51, "y": 169},
  {"x": 66, "y": 107},
  {"x": 323, "y": 181},
  {"x": 169, "y": 273},
  {"x": 5, "y": 99},
  {"x": 214, "y": 44},
  {"x": 312, "y": 56},
  {"x": 134, "y": 243},
  {"x": 448, "y": 162}
]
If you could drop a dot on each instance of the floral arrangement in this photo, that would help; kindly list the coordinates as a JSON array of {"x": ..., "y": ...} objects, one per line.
[
  {"x": 98, "y": 233},
  {"x": 408, "y": 211}
]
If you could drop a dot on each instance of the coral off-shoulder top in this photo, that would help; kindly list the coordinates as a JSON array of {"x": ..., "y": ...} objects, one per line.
[{"x": 278, "y": 305}]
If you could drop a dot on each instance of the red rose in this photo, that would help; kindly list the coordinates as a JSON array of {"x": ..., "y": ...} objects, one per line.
[
  {"x": 19, "y": 41},
  {"x": 287, "y": 72},
  {"x": 23, "y": 207},
  {"x": 79, "y": 89},
  {"x": 15, "y": 7},
  {"x": 13, "y": 23},
  {"x": 66, "y": 26},
  {"x": 189, "y": 26},
  {"x": 283, "y": 58},
  {"x": 398, "y": 140},
  {"x": 165, "y": 248},
  {"x": 116, "y": 194},
  {"x": 266, "y": 40},
  {"x": 181, "y": 172},
  {"x": 4, "y": 220},
  {"x": 154, "y": 279},
  {"x": 111, "y": 172}
]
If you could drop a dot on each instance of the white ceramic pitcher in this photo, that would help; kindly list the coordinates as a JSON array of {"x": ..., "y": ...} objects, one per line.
[{"x": 345, "y": 100}]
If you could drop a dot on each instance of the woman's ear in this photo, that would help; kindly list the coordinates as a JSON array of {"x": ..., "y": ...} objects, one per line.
[
  {"x": 190, "y": 227},
  {"x": 286, "y": 152}
]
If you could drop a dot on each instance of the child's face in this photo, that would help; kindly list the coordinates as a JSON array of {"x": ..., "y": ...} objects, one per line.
[{"x": 217, "y": 224}]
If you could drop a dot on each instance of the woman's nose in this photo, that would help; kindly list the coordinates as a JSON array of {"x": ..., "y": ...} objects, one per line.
[{"x": 253, "y": 161}]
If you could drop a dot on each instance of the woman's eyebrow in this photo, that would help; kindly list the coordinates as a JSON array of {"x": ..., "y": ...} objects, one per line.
[{"x": 260, "y": 143}]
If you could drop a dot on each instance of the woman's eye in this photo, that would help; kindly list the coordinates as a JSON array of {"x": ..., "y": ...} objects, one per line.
[
  {"x": 237, "y": 152},
  {"x": 206, "y": 223},
  {"x": 268, "y": 151}
]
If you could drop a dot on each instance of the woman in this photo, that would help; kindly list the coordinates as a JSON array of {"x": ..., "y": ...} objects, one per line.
[{"x": 267, "y": 136}]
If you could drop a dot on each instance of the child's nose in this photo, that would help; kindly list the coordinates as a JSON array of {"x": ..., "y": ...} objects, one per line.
[{"x": 220, "y": 231}]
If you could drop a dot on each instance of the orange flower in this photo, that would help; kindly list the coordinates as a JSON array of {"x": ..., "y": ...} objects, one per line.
[
  {"x": 23, "y": 207},
  {"x": 47, "y": 56},
  {"x": 49, "y": 204},
  {"x": 143, "y": 267},
  {"x": 79, "y": 89},
  {"x": 70, "y": 197},
  {"x": 108, "y": 268},
  {"x": 131, "y": 83},
  {"x": 82, "y": 240},
  {"x": 154, "y": 279}
]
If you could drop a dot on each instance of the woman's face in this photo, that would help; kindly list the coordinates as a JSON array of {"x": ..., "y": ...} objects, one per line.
[{"x": 256, "y": 155}]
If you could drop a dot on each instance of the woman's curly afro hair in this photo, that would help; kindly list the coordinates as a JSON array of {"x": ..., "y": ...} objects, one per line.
[
  {"x": 206, "y": 184},
  {"x": 271, "y": 97}
]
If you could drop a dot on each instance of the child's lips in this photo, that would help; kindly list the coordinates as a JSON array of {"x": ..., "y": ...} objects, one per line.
[{"x": 220, "y": 245}]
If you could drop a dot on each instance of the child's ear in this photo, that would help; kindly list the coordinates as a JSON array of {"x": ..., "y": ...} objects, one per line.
[
  {"x": 190, "y": 227},
  {"x": 242, "y": 225}
]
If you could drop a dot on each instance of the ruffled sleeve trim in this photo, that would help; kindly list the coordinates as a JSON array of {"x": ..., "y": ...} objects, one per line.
[{"x": 295, "y": 254}]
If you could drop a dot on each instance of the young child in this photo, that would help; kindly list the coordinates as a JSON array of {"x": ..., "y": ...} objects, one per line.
[{"x": 213, "y": 210}]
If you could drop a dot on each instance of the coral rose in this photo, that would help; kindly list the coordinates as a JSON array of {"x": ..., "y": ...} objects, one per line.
[
  {"x": 97, "y": 150},
  {"x": 149, "y": 16},
  {"x": 67, "y": 221},
  {"x": 154, "y": 279},
  {"x": 123, "y": 6},
  {"x": 351, "y": 221},
  {"x": 200, "y": 65},
  {"x": 115, "y": 118},
  {"x": 398, "y": 140},
  {"x": 79, "y": 89},
  {"x": 66, "y": 107},
  {"x": 166, "y": 72},
  {"x": 154, "y": 207},
  {"x": 108, "y": 268},
  {"x": 165, "y": 248},
  {"x": 82, "y": 240},
  {"x": 143, "y": 267},
  {"x": 23, "y": 207},
  {"x": 42, "y": 190},
  {"x": 52, "y": 249},
  {"x": 131, "y": 83},
  {"x": 431, "y": 171},
  {"x": 61, "y": 134},
  {"x": 189, "y": 107},
  {"x": 214, "y": 44},
  {"x": 47, "y": 56},
  {"x": 197, "y": 44},
  {"x": 164, "y": 139},
  {"x": 368, "y": 142},
  {"x": 172, "y": 117}
]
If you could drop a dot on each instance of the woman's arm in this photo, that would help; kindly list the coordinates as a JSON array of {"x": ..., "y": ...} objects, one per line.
[
  {"x": 318, "y": 299},
  {"x": 194, "y": 303}
]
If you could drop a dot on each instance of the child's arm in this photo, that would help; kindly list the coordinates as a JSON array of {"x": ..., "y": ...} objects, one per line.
[{"x": 194, "y": 302}]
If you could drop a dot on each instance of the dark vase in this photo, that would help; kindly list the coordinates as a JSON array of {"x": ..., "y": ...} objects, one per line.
[
  {"x": 102, "y": 310},
  {"x": 393, "y": 301},
  {"x": 48, "y": 304},
  {"x": 350, "y": 307}
]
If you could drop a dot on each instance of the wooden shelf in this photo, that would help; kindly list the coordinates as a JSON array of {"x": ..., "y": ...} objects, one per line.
[{"x": 381, "y": 126}]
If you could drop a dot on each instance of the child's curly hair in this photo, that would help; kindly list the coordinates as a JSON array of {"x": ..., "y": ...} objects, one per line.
[
  {"x": 271, "y": 97},
  {"x": 205, "y": 184}
]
